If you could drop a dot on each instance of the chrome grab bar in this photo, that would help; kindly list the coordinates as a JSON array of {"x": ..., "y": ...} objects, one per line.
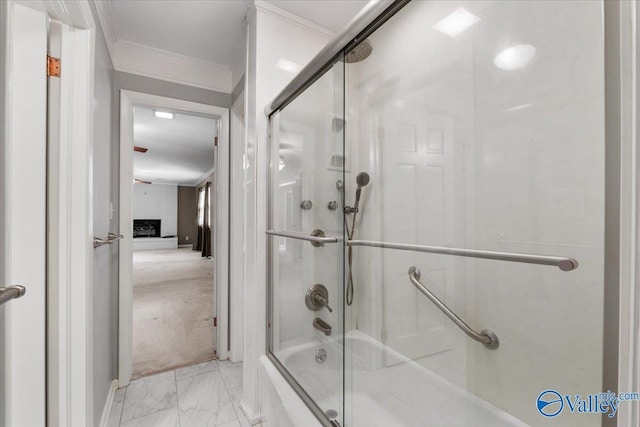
[
  {"x": 302, "y": 236},
  {"x": 11, "y": 292},
  {"x": 486, "y": 337},
  {"x": 111, "y": 237},
  {"x": 563, "y": 263}
]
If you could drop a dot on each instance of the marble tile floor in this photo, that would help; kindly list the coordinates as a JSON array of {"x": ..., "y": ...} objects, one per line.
[
  {"x": 172, "y": 310},
  {"x": 203, "y": 395}
]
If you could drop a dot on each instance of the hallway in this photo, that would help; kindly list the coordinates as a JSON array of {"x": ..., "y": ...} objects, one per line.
[{"x": 172, "y": 310}]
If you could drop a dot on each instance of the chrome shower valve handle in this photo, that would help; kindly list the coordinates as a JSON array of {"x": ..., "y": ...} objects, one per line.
[
  {"x": 317, "y": 297},
  {"x": 322, "y": 301}
]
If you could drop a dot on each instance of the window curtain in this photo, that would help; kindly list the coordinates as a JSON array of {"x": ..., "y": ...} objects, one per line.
[
  {"x": 200, "y": 217},
  {"x": 206, "y": 227}
]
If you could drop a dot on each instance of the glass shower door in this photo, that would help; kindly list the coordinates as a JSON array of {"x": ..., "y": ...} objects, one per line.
[
  {"x": 306, "y": 248},
  {"x": 481, "y": 125}
]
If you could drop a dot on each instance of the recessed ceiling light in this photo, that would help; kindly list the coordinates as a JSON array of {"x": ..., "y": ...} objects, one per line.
[
  {"x": 163, "y": 115},
  {"x": 286, "y": 65},
  {"x": 515, "y": 57},
  {"x": 456, "y": 22}
]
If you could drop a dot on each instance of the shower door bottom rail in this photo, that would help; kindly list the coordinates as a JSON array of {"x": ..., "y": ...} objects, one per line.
[
  {"x": 563, "y": 263},
  {"x": 486, "y": 337}
]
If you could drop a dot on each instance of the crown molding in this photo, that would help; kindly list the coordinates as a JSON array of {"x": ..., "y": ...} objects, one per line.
[
  {"x": 170, "y": 66},
  {"x": 107, "y": 23},
  {"x": 157, "y": 63},
  {"x": 269, "y": 8}
]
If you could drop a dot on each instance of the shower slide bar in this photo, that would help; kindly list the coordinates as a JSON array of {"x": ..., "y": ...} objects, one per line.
[
  {"x": 563, "y": 263},
  {"x": 486, "y": 337}
]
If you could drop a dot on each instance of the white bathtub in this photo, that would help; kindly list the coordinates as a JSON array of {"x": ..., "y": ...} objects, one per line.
[{"x": 404, "y": 395}]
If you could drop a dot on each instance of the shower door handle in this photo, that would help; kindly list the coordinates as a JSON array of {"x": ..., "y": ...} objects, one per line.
[
  {"x": 486, "y": 337},
  {"x": 306, "y": 237},
  {"x": 11, "y": 292}
]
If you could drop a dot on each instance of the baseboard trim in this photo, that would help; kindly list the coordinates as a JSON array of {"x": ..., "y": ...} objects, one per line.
[
  {"x": 108, "y": 403},
  {"x": 188, "y": 245},
  {"x": 250, "y": 414}
]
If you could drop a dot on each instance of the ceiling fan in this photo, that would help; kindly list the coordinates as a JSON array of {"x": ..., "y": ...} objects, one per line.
[
  {"x": 140, "y": 149},
  {"x": 139, "y": 181}
]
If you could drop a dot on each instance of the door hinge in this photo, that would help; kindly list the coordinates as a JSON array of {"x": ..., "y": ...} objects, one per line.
[
  {"x": 215, "y": 141},
  {"x": 53, "y": 66},
  {"x": 215, "y": 321}
]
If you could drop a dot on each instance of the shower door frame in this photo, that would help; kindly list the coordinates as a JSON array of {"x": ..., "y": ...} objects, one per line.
[{"x": 622, "y": 171}]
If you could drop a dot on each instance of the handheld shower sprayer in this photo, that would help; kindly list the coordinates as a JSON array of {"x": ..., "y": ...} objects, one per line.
[{"x": 362, "y": 180}]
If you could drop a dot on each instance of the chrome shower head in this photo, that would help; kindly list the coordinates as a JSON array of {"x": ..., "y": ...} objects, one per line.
[{"x": 359, "y": 53}]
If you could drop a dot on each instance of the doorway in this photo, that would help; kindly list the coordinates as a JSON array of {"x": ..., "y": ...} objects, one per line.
[
  {"x": 174, "y": 254},
  {"x": 173, "y": 267}
]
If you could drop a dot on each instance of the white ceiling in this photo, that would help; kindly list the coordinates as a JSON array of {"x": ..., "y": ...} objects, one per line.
[
  {"x": 199, "y": 42},
  {"x": 180, "y": 151},
  {"x": 211, "y": 31}
]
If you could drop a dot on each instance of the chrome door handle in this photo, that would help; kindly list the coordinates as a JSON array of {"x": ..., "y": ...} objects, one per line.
[
  {"x": 11, "y": 292},
  {"x": 97, "y": 241},
  {"x": 111, "y": 237}
]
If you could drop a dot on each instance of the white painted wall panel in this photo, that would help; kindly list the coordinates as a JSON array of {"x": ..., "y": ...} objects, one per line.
[{"x": 270, "y": 38}]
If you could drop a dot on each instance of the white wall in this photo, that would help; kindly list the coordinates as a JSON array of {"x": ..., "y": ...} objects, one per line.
[
  {"x": 156, "y": 201},
  {"x": 270, "y": 37}
]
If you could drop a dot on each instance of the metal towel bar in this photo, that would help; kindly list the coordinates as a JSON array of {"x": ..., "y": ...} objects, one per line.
[
  {"x": 97, "y": 242},
  {"x": 486, "y": 337},
  {"x": 563, "y": 263}
]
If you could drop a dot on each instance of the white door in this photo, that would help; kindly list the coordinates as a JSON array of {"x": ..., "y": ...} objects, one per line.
[
  {"x": 23, "y": 215},
  {"x": 417, "y": 188}
]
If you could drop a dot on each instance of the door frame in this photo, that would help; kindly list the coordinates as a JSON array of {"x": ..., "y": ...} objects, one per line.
[
  {"x": 128, "y": 99},
  {"x": 68, "y": 370}
]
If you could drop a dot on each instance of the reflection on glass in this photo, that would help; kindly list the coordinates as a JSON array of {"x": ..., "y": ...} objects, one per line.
[
  {"x": 515, "y": 57},
  {"x": 306, "y": 280},
  {"x": 455, "y": 23}
]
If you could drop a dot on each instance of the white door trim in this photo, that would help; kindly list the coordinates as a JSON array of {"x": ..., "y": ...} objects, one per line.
[
  {"x": 70, "y": 222},
  {"x": 221, "y": 235},
  {"x": 629, "y": 315}
]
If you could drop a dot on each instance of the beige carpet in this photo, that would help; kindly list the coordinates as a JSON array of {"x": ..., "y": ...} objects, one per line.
[{"x": 172, "y": 310}]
